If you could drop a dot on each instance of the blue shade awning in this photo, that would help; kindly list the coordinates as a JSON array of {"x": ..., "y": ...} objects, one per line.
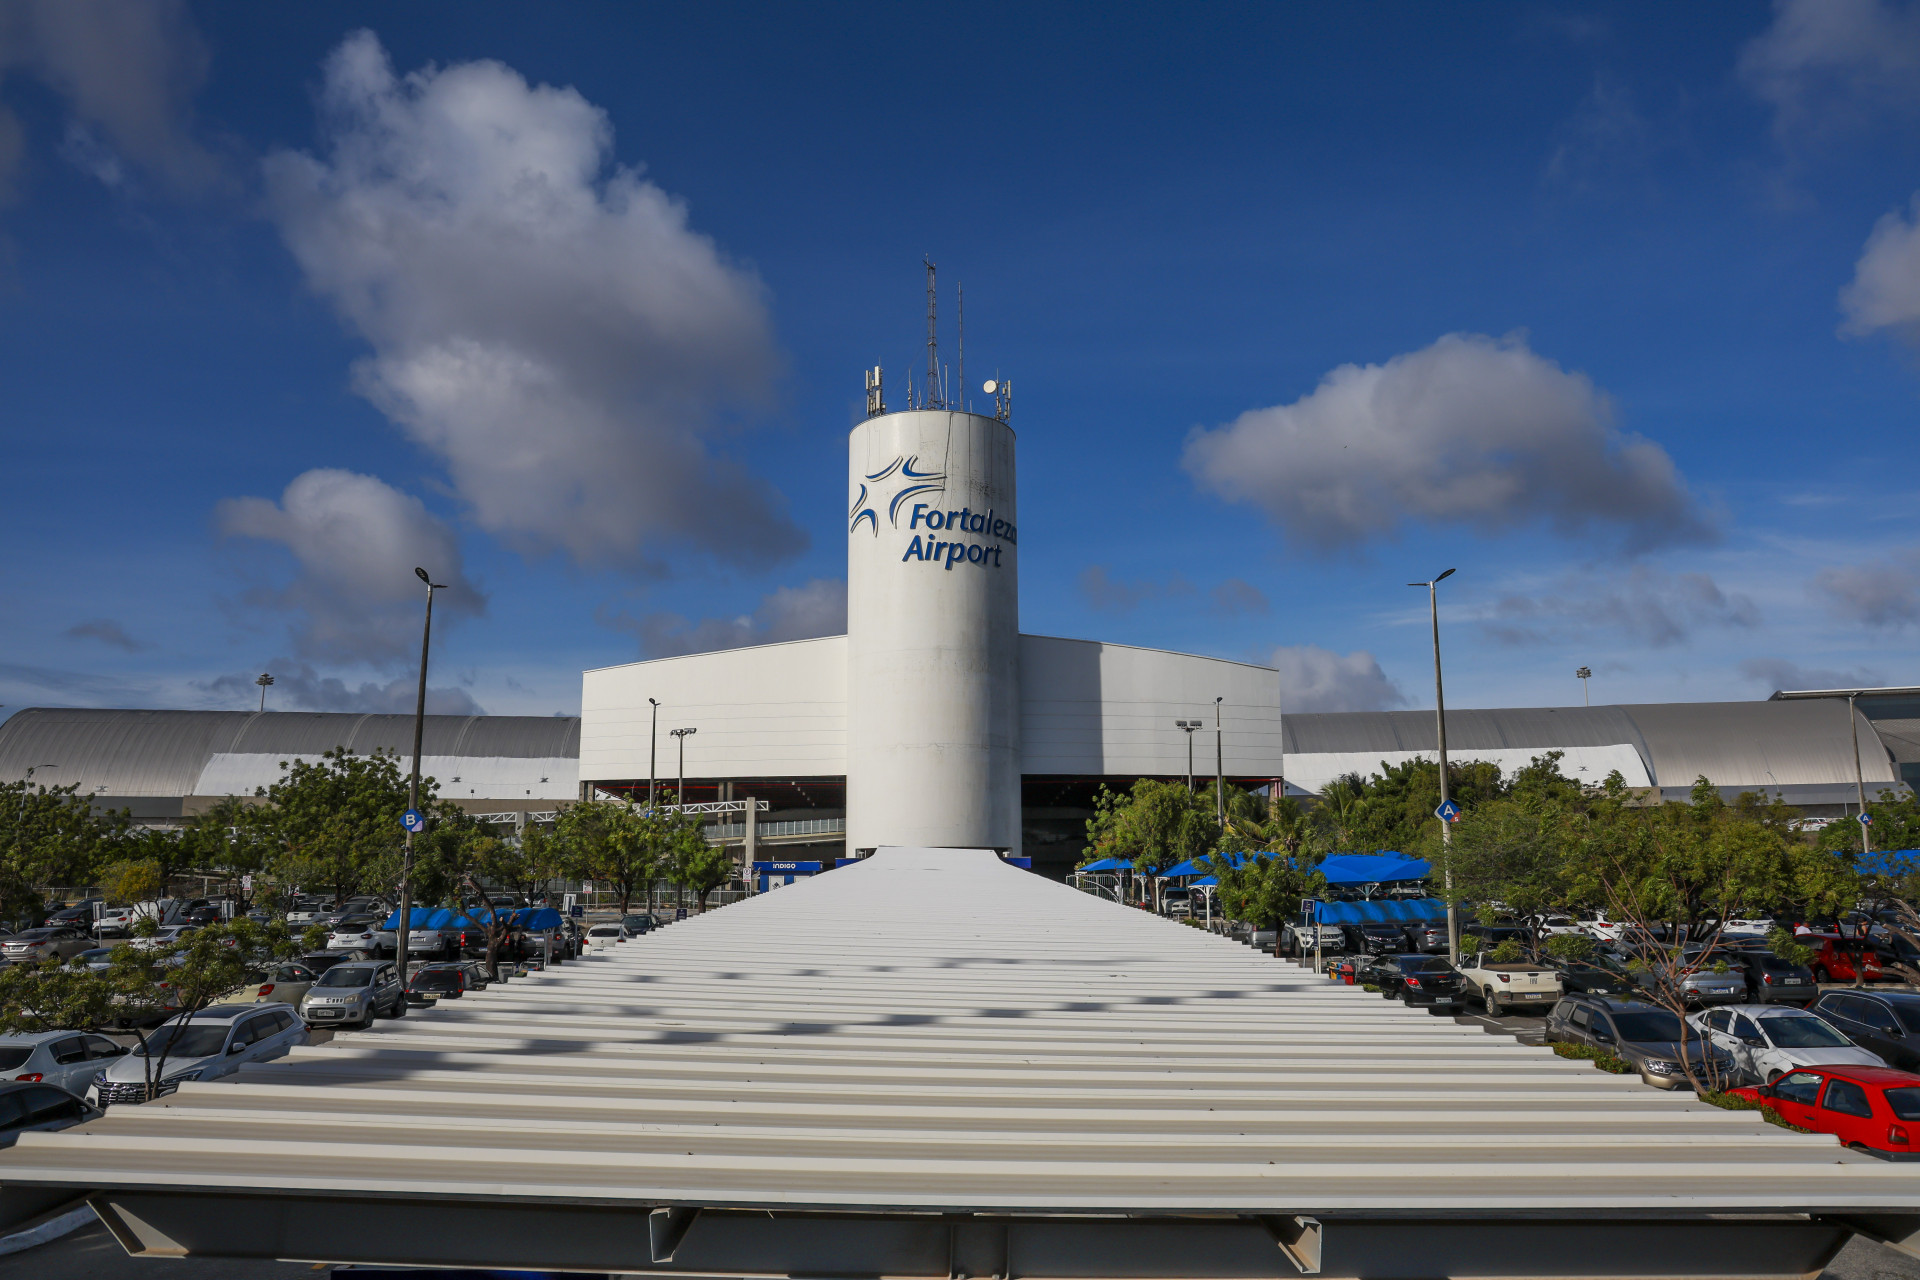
[
  {"x": 1373, "y": 868},
  {"x": 1204, "y": 881},
  {"x": 536, "y": 919},
  {"x": 1199, "y": 866},
  {"x": 1107, "y": 864},
  {"x": 1403, "y": 911},
  {"x": 1888, "y": 862}
]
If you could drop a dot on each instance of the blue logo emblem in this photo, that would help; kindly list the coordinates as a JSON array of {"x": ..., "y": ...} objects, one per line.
[
  {"x": 902, "y": 477},
  {"x": 413, "y": 820},
  {"x": 1448, "y": 812}
]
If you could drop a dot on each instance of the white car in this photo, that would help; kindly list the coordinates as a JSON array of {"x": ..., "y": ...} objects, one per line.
[
  {"x": 606, "y": 935},
  {"x": 166, "y": 935},
  {"x": 302, "y": 916},
  {"x": 359, "y": 933},
  {"x": 217, "y": 1041},
  {"x": 1769, "y": 1040}
]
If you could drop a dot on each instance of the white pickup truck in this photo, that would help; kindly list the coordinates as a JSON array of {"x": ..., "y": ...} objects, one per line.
[{"x": 1508, "y": 987}]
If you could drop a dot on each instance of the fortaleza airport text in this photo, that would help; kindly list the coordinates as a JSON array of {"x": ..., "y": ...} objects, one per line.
[{"x": 964, "y": 520}]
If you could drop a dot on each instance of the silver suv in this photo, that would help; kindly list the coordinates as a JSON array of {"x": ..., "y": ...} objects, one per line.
[
  {"x": 354, "y": 994},
  {"x": 214, "y": 1042}
]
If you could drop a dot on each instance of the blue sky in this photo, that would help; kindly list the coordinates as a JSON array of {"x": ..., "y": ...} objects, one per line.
[{"x": 1614, "y": 309}]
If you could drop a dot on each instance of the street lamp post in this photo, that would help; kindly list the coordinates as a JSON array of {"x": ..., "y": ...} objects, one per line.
[
  {"x": 1859, "y": 778},
  {"x": 263, "y": 681},
  {"x": 653, "y": 746},
  {"x": 413, "y": 785},
  {"x": 1188, "y": 726},
  {"x": 1585, "y": 674},
  {"x": 682, "y": 734},
  {"x": 1219, "y": 769},
  {"x": 1440, "y": 720}
]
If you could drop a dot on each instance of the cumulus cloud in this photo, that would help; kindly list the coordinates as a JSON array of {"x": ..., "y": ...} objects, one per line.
[
  {"x": 1104, "y": 592},
  {"x": 1316, "y": 679},
  {"x": 1829, "y": 63},
  {"x": 1885, "y": 290},
  {"x": 127, "y": 71},
  {"x": 542, "y": 319},
  {"x": 356, "y": 541},
  {"x": 1880, "y": 593},
  {"x": 1470, "y": 431},
  {"x": 299, "y": 688},
  {"x": 106, "y": 631},
  {"x": 1653, "y": 608},
  {"x": 1779, "y": 673},
  {"x": 791, "y": 613}
]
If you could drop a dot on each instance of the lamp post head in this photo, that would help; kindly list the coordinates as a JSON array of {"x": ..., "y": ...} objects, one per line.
[
  {"x": 1584, "y": 672},
  {"x": 421, "y": 574},
  {"x": 264, "y": 680},
  {"x": 1443, "y": 577}
]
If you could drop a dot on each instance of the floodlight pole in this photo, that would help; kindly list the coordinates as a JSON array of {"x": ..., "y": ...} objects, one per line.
[
  {"x": 681, "y": 734},
  {"x": 1219, "y": 770},
  {"x": 1585, "y": 674},
  {"x": 1440, "y": 721},
  {"x": 413, "y": 790},
  {"x": 1187, "y": 727},
  {"x": 1859, "y": 778},
  {"x": 653, "y": 746}
]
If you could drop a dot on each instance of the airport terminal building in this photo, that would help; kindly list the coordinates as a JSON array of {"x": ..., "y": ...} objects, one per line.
[{"x": 935, "y": 722}]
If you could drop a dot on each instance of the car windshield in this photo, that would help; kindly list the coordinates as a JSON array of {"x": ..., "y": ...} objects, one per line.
[
  {"x": 361, "y": 923},
  {"x": 1647, "y": 1025},
  {"x": 346, "y": 976},
  {"x": 14, "y": 1056},
  {"x": 1802, "y": 1031},
  {"x": 190, "y": 1041}
]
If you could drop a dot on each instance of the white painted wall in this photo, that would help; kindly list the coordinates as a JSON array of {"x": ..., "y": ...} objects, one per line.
[
  {"x": 933, "y": 711},
  {"x": 1088, "y": 707},
  {"x": 772, "y": 710}
]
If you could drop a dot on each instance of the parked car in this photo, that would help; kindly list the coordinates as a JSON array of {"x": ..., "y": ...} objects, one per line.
[
  {"x": 303, "y": 914},
  {"x": 1711, "y": 977},
  {"x": 1768, "y": 1041},
  {"x": 1302, "y": 939},
  {"x": 430, "y": 942},
  {"x": 68, "y": 1059},
  {"x": 354, "y": 994},
  {"x": 431, "y": 983},
  {"x": 637, "y": 925},
  {"x": 1421, "y": 981},
  {"x": 285, "y": 985},
  {"x": 1838, "y": 959},
  {"x": 44, "y": 944},
  {"x": 605, "y": 935},
  {"x": 1429, "y": 936},
  {"x": 1504, "y": 987},
  {"x": 93, "y": 958},
  {"x": 1886, "y": 1023},
  {"x": 1579, "y": 977},
  {"x": 477, "y": 974},
  {"x": 26, "y": 1108},
  {"x": 1373, "y": 939},
  {"x": 357, "y": 933},
  {"x": 1645, "y": 1035},
  {"x": 78, "y": 916},
  {"x": 165, "y": 936},
  {"x": 1870, "y": 1109},
  {"x": 215, "y": 1042},
  {"x": 1772, "y": 980}
]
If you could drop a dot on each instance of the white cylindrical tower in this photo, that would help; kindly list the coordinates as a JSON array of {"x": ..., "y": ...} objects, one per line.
[{"x": 933, "y": 633}]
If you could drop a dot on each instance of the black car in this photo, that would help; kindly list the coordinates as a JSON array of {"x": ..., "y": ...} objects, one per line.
[
  {"x": 637, "y": 925},
  {"x": 1421, "y": 981},
  {"x": 438, "y": 981},
  {"x": 1374, "y": 939},
  {"x": 1882, "y": 1022},
  {"x": 80, "y": 914},
  {"x": 1591, "y": 979}
]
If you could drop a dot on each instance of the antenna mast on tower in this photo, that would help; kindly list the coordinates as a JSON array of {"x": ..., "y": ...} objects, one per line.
[
  {"x": 962, "y": 319},
  {"x": 933, "y": 398}
]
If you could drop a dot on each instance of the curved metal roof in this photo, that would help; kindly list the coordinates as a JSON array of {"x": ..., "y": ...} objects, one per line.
[
  {"x": 1731, "y": 743},
  {"x": 163, "y": 753}
]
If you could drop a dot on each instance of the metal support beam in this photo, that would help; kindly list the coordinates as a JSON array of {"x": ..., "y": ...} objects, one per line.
[{"x": 666, "y": 1228}]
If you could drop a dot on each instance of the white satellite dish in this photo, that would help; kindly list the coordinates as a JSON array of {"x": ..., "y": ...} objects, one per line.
[{"x": 991, "y": 386}]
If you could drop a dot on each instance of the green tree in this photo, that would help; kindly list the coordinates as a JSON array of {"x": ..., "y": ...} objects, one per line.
[
  {"x": 336, "y": 821},
  {"x": 1153, "y": 826},
  {"x": 695, "y": 864},
  {"x": 127, "y": 883},
  {"x": 231, "y": 839},
  {"x": 52, "y": 836},
  {"x": 1264, "y": 890},
  {"x": 610, "y": 841}
]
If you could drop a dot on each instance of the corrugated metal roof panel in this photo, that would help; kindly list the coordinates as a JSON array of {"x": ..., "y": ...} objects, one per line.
[{"x": 932, "y": 1030}]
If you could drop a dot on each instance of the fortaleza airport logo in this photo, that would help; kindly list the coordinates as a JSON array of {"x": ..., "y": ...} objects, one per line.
[{"x": 906, "y": 482}]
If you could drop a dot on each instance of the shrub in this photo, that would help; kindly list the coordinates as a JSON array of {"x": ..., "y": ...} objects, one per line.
[
  {"x": 1600, "y": 1058},
  {"x": 1733, "y": 1102},
  {"x": 1508, "y": 952},
  {"x": 1368, "y": 986},
  {"x": 1571, "y": 946}
]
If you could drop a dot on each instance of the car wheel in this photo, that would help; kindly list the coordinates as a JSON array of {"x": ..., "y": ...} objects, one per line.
[
  {"x": 1495, "y": 1009},
  {"x": 1774, "y": 1076},
  {"x": 1821, "y": 975}
]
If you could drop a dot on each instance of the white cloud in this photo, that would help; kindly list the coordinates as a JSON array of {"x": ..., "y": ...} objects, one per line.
[
  {"x": 1316, "y": 679},
  {"x": 1652, "y": 608},
  {"x": 1885, "y": 290},
  {"x": 356, "y": 541},
  {"x": 1470, "y": 431},
  {"x": 299, "y": 687},
  {"x": 106, "y": 631},
  {"x": 546, "y": 324},
  {"x": 1778, "y": 673},
  {"x": 127, "y": 70},
  {"x": 791, "y": 613},
  {"x": 1828, "y": 63},
  {"x": 1879, "y": 593}
]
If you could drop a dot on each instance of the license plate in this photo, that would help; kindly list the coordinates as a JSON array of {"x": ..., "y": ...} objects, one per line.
[
  {"x": 1443, "y": 999},
  {"x": 1531, "y": 995}
]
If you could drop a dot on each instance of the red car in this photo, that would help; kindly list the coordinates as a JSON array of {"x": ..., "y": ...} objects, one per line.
[
  {"x": 1834, "y": 959},
  {"x": 1873, "y": 1109}
]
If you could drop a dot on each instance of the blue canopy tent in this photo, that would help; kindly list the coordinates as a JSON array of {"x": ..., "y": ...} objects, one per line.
[
  {"x": 1195, "y": 866},
  {"x": 423, "y": 918},
  {"x": 1205, "y": 882},
  {"x": 1107, "y": 864},
  {"x": 1373, "y": 868},
  {"x": 1399, "y": 911},
  {"x": 536, "y": 919}
]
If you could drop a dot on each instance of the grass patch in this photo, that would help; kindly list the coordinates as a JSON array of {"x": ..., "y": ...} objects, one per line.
[
  {"x": 1731, "y": 1102},
  {"x": 1600, "y": 1058},
  {"x": 1368, "y": 986}
]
